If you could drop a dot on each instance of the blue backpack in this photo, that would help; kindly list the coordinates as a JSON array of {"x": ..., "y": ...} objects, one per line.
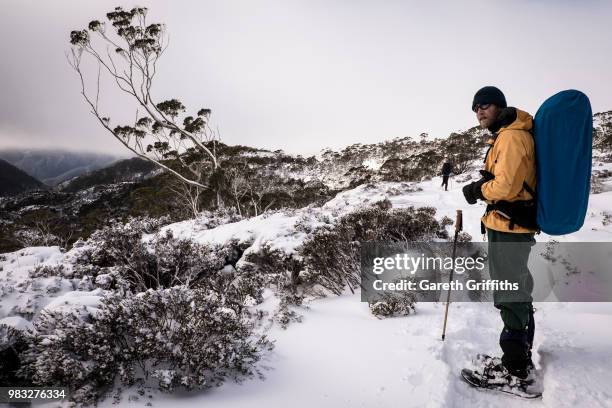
[{"x": 563, "y": 135}]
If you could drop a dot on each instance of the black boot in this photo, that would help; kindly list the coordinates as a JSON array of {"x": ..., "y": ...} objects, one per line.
[
  {"x": 515, "y": 345},
  {"x": 491, "y": 372}
]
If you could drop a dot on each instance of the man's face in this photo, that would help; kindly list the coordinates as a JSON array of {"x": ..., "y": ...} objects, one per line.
[{"x": 486, "y": 117}]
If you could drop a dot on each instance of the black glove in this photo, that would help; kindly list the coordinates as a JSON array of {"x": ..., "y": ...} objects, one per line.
[
  {"x": 487, "y": 176},
  {"x": 472, "y": 191}
]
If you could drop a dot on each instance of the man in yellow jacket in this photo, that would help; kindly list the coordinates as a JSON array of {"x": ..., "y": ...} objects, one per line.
[{"x": 508, "y": 187}]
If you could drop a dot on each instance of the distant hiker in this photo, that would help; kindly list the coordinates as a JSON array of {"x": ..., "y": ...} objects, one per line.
[
  {"x": 507, "y": 185},
  {"x": 447, "y": 169}
]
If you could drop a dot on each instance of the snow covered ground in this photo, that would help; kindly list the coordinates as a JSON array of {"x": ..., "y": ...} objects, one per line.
[{"x": 343, "y": 356}]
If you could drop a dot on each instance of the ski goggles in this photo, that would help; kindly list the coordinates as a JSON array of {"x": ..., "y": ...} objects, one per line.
[{"x": 477, "y": 106}]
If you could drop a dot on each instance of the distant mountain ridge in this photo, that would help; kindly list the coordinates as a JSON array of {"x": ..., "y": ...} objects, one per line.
[
  {"x": 133, "y": 169},
  {"x": 54, "y": 166},
  {"x": 14, "y": 181}
]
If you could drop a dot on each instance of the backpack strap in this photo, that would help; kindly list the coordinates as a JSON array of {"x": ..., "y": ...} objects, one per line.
[
  {"x": 522, "y": 213},
  {"x": 487, "y": 153},
  {"x": 534, "y": 196}
]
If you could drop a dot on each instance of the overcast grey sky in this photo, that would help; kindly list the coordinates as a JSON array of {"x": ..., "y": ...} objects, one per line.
[{"x": 304, "y": 75}]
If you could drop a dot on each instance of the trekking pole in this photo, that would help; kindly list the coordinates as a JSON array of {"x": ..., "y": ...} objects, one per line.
[{"x": 458, "y": 228}]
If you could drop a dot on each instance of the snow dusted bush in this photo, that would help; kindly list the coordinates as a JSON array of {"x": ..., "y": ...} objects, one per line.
[
  {"x": 116, "y": 243},
  {"x": 463, "y": 237},
  {"x": 331, "y": 256},
  {"x": 13, "y": 342},
  {"x": 182, "y": 262},
  {"x": 179, "y": 337},
  {"x": 183, "y": 337},
  {"x": 607, "y": 218},
  {"x": 44, "y": 271},
  {"x": 69, "y": 351},
  {"x": 331, "y": 259},
  {"x": 28, "y": 237},
  {"x": 393, "y": 304},
  {"x": 245, "y": 286},
  {"x": 213, "y": 218},
  {"x": 118, "y": 253},
  {"x": 271, "y": 261},
  {"x": 446, "y": 221},
  {"x": 273, "y": 267},
  {"x": 309, "y": 220},
  {"x": 285, "y": 314},
  {"x": 596, "y": 185},
  {"x": 171, "y": 262}
]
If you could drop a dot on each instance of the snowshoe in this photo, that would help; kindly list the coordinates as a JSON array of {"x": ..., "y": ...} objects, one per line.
[
  {"x": 483, "y": 360},
  {"x": 490, "y": 374}
]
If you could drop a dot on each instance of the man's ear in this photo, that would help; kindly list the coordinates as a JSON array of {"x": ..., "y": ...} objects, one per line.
[{"x": 506, "y": 115}]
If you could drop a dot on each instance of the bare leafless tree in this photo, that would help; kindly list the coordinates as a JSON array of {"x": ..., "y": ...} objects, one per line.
[
  {"x": 128, "y": 51},
  {"x": 65, "y": 239},
  {"x": 238, "y": 185},
  {"x": 41, "y": 233},
  {"x": 188, "y": 196},
  {"x": 258, "y": 189}
]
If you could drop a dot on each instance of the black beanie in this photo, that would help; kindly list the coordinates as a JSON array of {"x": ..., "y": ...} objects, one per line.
[{"x": 489, "y": 94}]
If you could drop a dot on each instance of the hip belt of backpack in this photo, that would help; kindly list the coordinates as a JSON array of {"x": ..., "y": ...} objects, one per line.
[{"x": 521, "y": 213}]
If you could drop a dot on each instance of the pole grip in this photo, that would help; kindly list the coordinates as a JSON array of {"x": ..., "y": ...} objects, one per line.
[{"x": 459, "y": 221}]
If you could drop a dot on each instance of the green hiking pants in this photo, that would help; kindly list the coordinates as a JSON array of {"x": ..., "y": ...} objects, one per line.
[{"x": 508, "y": 256}]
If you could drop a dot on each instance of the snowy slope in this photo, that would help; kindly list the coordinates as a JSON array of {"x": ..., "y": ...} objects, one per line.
[
  {"x": 342, "y": 356},
  {"x": 277, "y": 229}
]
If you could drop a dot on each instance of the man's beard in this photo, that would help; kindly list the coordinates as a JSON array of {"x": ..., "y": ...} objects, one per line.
[{"x": 485, "y": 123}]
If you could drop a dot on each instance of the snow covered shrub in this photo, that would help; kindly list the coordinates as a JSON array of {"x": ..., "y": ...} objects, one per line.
[
  {"x": 446, "y": 221},
  {"x": 394, "y": 304},
  {"x": 117, "y": 251},
  {"x": 44, "y": 271},
  {"x": 607, "y": 218},
  {"x": 13, "y": 342},
  {"x": 116, "y": 243},
  {"x": 309, "y": 220},
  {"x": 211, "y": 219},
  {"x": 331, "y": 256},
  {"x": 272, "y": 263},
  {"x": 596, "y": 185},
  {"x": 410, "y": 224},
  {"x": 28, "y": 237},
  {"x": 246, "y": 285},
  {"x": 331, "y": 260},
  {"x": 271, "y": 267},
  {"x": 71, "y": 350},
  {"x": 285, "y": 314},
  {"x": 182, "y": 262},
  {"x": 463, "y": 237},
  {"x": 209, "y": 267},
  {"x": 181, "y": 337}
]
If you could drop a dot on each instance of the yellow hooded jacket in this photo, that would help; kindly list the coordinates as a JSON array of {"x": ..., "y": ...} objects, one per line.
[{"x": 511, "y": 159}]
